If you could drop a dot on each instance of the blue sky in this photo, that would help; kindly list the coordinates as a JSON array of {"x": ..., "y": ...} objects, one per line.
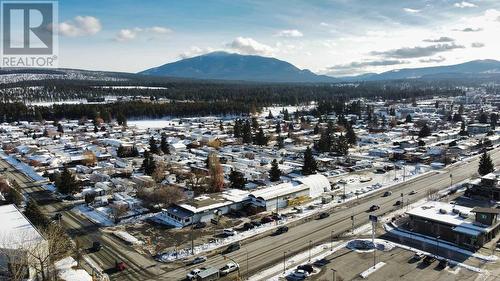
[{"x": 335, "y": 37}]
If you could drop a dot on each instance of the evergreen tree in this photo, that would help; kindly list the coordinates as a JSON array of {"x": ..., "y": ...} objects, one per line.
[
  {"x": 255, "y": 124},
  {"x": 275, "y": 172},
  {"x": 316, "y": 129},
  {"x": 351, "y": 135},
  {"x": 153, "y": 147},
  {"x": 425, "y": 131},
  {"x": 148, "y": 164},
  {"x": 237, "y": 179},
  {"x": 60, "y": 128},
  {"x": 135, "y": 152},
  {"x": 120, "y": 152},
  {"x": 324, "y": 143},
  {"x": 341, "y": 145},
  {"x": 485, "y": 164},
  {"x": 278, "y": 128},
  {"x": 121, "y": 119},
  {"x": 66, "y": 182},
  {"x": 33, "y": 213},
  {"x": 280, "y": 142},
  {"x": 96, "y": 129},
  {"x": 493, "y": 120},
  {"x": 247, "y": 132},
  {"x": 221, "y": 126},
  {"x": 164, "y": 144},
  {"x": 408, "y": 119},
  {"x": 310, "y": 165},
  {"x": 260, "y": 138},
  {"x": 286, "y": 115},
  {"x": 270, "y": 115},
  {"x": 238, "y": 127}
]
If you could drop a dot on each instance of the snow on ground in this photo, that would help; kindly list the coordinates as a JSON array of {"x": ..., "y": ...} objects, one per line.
[
  {"x": 366, "y": 245},
  {"x": 371, "y": 270},
  {"x": 67, "y": 271},
  {"x": 127, "y": 237},
  {"x": 442, "y": 243}
]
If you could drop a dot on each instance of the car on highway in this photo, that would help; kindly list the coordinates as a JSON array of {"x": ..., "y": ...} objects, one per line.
[
  {"x": 96, "y": 246},
  {"x": 198, "y": 260},
  {"x": 398, "y": 203},
  {"x": 374, "y": 208},
  {"x": 193, "y": 274},
  {"x": 120, "y": 266},
  {"x": 387, "y": 194},
  {"x": 413, "y": 192},
  {"x": 232, "y": 247},
  {"x": 324, "y": 215},
  {"x": 281, "y": 230},
  {"x": 228, "y": 268}
]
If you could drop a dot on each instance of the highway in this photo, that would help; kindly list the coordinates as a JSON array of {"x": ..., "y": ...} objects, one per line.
[
  {"x": 267, "y": 251},
  {"x": 80, "y": 228}
]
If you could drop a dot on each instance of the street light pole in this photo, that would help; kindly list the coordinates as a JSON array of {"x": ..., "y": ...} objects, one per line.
[
  {"x": 334, "y": 273},
  {"x": 284, "y": 256},
  {"x": 331, "y": 241},
  {"x": 310, "y": 246}
]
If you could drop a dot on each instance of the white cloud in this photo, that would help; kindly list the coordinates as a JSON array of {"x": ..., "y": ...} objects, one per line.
[
  {"x": 79, "y": 26},
  {"x": 195, "y": 51},
  {"x": 128, "y": 34},
  {"x": 411, "y": 11},
  {"x": 464, "y": 4},
  {"x": 290, "y": 33},
  {"x": 477, "y": 45},
  {"x": 247, "y": 45}
]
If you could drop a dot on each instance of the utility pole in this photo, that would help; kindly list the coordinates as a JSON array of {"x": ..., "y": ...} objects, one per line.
[
  {"x": 331, "y": 241},
  {"x": 373, "y": 219},
  {"x": 352, "y": 220},
  {"x": 192, "y": 238},
  {"x": 344, "y": 184},
  {"x": 246, "y": 273},
  {"x": 310, "y": 246}
]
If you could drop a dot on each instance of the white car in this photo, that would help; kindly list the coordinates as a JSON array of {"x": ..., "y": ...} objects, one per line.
[
  {"x": 300, "y": 274},
  {"x": 228, "y": 268},
  {"x": 228, "y": 232},
  {"x": 194, "y": 273}
]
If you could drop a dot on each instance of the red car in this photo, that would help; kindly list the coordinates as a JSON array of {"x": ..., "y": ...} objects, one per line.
[{"x": 120, "y": 266}]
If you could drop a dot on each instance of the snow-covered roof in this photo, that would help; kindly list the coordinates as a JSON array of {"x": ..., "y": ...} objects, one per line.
[
  {"x": 16, "y": 231},
  {"x": 317, "y": 184},
  {"x": 443, "y": 212},
  {"x": 279, "y": 190}
]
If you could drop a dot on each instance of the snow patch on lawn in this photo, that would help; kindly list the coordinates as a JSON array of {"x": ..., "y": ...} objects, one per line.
[{"x": 67, "y": 270}]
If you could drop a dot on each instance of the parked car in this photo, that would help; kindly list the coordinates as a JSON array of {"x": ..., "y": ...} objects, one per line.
[
  {"x": 321, "y": 262},
  {"x": 300, "y": 274},
  {"x": 198, "y": 260},
  {"x": 324, "y": 215},
  {"x": 200, "y": 225},
  {"x": 306, "y": 267},
  {"x": 194, "y": 273},
  {"x": 443, "y": 263},
  {"x": 232, "y": 247},
  {"x": 228, "y": 232},
  {"x": 374, "y": 208},
  {"x": 429, "y": 259},
  {"x": 418, "y": 256},
  {"x": 96, "y": 246},
  {"x": 256, "y": 223},
  {"x": 248, "y": 226},
  {"x": 281, "y": 229},
  {"x": 267, "y": 219},
  {"x": 228, "y": 268}
]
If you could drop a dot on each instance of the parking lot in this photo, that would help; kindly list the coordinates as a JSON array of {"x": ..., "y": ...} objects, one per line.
[{"x": 399, "y": 266}]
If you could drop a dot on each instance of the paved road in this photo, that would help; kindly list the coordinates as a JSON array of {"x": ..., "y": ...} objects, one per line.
[
  {"x": 83, "y": 230},
  {"x": 269, "y": 251}
]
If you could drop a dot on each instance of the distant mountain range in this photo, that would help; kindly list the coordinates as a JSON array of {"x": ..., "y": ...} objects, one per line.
[
  {"x": 227, "y": 66},
  {"x": 224, "y": 66}
]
